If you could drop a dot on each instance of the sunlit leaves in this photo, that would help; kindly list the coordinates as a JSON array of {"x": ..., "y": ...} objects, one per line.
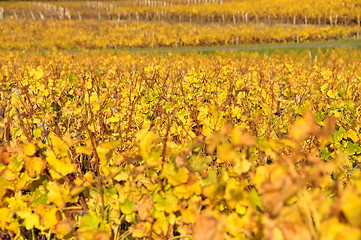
[
  {"x": 208, "y": 226},
  {"x": 332, "y": 93},
  {"x": 170, "y": 147},
  {"x": 191, "y": 188},
  {"x": 127, "y": 207},
  {"x": 140, "y": 230},
  {"x": 199, "y": 163},
  {"x": 34, "y": 165},
  {"x": 146, "y": 140},
  {"x": 242, "y": 166},
  {"x": 166, "y": 202},
  {"x": 47, "y": 215},
  {"x": 59, "y": 194},
  {"x": 351, "y": 205},
  {"x": 143, "y": 207},
  {"x": 5, "y": 215},
  {"x": 255, "y": 199},
  {"x": 302, "y": 127},
  {"x": 175, "y": 176},
  {"x": 36, "y": 73},
  {"x": 90, "y": 34},
  {"x": 60, "y": 166},
  {"x": 29, "y": 149},
  {"x": 93, "y": 226},
  {"x": 63, "y": 228},
  {"x": 352, "y": 134}
]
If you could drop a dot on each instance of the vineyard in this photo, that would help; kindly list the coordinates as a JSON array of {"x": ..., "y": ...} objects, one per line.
[
  {"x": 24, "y": 35},
  {"x": 173, "y": 23},
  {"x": 100, "y": 138},
  {"x": 338, "y": 12},
  {"x": 147, "y": 146}
]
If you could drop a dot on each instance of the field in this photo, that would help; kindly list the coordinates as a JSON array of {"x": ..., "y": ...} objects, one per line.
[{"x": 101, "y": 138}]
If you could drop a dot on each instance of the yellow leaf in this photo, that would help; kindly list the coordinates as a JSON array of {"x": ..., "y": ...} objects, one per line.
[
  {"x": 22, "y": 181},
  {"x": 84, "y": 149},
  {"x": 240, "y": 138},
  {"x": 175, "y": 176},
  {"x": 70, "y": 141},
  {"x": 299, "y": 130},
  {"x": 61, "y": 166},
  {"x": 31, "y": 221},
  {"x": 88, "y": 176},
  {"x": 88, "y": 85},
  {"x": 140, "y": 230},
  {"x": 287, "y": 142},
  {"x": 189, "y": 215},
  {"x": 324, "y": 87},
  {"x": 48, "y": 215},
  {"x": 9, "y": 175},
  {"x": 338, "y": 231},
  {"x": 59, "y": 194},
  {"x": 351, "y": 207},
  {"x": 34, "y": 166},
  {"x": 302, "y": 127},
  {"x": 110, "y": 145},
  {"x": 63, "y": 228},
  {"x": 146, "y": 139},
  {"x": 29, "y": 149},
  {"x": 165, "y": 202},
  {"x": 262, "y": 175},
  {"x": 105, "y": 151},
  {"x": 113, "y": 119},
  {"x": 191, "y": 188},
  {"x": 59, "y": 145},
  {"x": 225, "y": 153},
  {"x": 37, "y": 73},
  {"x": 332, "y": 93},
  {"x": 233, "y": 193},
  {"x": 353, "y": 135},
  {"x": 242, "y": 166},
  {"x": 213, "y": 191},
  {"x": 206, "y": 130},
  {"x": 161, "y": 224},
  {"x": 5, "y": 215}
]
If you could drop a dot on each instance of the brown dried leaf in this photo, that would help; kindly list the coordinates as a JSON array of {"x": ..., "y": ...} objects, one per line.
[
  {"x": 207, "y": 227},
  {"x": 303, "y": 127},
  {"x": 101, "y": 236},
  {"x": 143, "y": 207},
  {"x": 5, "y": 156}
]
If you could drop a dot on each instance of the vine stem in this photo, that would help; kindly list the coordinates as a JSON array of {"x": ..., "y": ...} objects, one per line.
[{"x": 97, "y": 171}]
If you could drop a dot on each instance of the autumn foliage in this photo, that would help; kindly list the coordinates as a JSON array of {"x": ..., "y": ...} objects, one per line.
[{"x": 144, "y": 146}]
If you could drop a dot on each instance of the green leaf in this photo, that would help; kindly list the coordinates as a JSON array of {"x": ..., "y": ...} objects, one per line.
[
  {"x": 200, "y": 163},
  {"x": 255, "y": 199},
  {"x": 127, "y": 207},
  {"x": 338, "y": 134},
  {"x": 165, "y": 202},
  {"x": 40, "y": 196},
  {"x": 210, "y": 179},
  {"x": 175, "y": 176},
  {"x": 91, "y": 221},
  {"x": 353, "y": 148}
]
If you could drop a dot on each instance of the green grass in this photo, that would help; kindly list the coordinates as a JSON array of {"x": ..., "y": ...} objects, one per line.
[{"x": 260, "y": 48}]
